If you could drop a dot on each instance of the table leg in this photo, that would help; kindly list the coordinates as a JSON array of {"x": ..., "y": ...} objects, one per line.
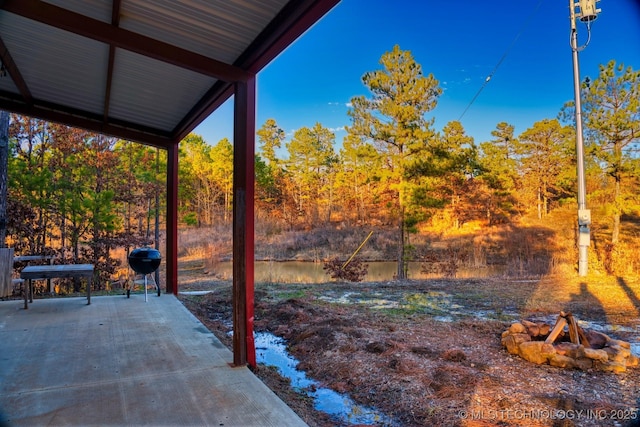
[
  {"x": 30, "y": 291},
  {"x": 25, "y": 294},
  {"x": 89, "y": 291}
]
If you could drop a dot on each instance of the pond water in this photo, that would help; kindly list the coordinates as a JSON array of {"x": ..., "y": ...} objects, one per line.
[
  {"x": 312, "y": 272},
  {"x": 271, "y": 350}
]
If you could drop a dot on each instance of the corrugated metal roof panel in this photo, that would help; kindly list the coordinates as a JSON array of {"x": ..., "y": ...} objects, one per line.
[
  {"x": 96, "y": 9},
  {"x": 55, "y": 64},
  {"x": 220, "y": 29},
  {"x": 61, "y": 54},
  {"x": 152, "y": 92}
]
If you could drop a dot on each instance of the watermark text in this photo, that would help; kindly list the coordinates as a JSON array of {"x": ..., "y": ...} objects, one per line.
[{"x": 549, "y": 414}]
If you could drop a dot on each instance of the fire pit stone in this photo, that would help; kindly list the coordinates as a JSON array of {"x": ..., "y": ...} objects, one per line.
[{"x": 566, "y": 345}]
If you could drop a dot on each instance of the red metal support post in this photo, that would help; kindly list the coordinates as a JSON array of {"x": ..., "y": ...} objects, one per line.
[
  {"x": 243, "y": 221},
  {"x": 172, "y": 219}
]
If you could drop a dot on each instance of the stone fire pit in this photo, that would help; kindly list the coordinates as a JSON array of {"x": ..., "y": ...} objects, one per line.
[{"x": 566, "y": 345}]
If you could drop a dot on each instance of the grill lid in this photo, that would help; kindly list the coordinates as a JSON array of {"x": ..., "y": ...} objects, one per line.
[{"x": 144, "y": 260}]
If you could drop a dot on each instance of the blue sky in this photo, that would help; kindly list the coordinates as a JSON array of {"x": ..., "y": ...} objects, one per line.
[{"x": 459, "y": 42}]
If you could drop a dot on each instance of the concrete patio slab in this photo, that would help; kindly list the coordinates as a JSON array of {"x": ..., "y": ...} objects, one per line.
[{"x": 124, "y": 361}]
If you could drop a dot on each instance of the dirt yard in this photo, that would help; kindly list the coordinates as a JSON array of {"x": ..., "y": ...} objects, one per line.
[{"x": 429, "y": 353}]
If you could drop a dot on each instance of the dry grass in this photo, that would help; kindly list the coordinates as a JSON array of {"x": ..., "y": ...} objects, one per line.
[
  {"x": 613, "y": 299},
  {"x": 529, "y": 248}
]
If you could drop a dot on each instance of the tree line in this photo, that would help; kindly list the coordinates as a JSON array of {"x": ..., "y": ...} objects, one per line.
[
  {"x": 83, "y": 194},
  {"x": 78, "y": 194},
  {"x": 394, "y": 168}
]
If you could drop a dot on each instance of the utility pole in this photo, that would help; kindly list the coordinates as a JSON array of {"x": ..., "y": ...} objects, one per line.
[{"x": 587, "y": 13}]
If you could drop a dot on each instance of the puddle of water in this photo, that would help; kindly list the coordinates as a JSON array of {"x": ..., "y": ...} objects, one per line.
[
  {"x": 443, "y": 319},
  {"x": 437, "y": 303},
  {"x": 587, "y": 324},
  {"x": 608, "y": 329},
  {"x": 271, "y": 350},
  {"x": 195, "y": 292},
  {"x": 356, "y": 298},
  {"x": 604, "y": 328}
]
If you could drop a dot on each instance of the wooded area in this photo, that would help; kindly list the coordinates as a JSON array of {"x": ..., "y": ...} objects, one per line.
[{"x": 81, "y": 194}]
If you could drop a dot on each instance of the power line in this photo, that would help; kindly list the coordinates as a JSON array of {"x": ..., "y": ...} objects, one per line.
[{"x": 504, "y": 55}]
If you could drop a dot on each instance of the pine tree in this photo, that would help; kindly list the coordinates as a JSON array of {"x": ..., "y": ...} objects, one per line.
[
  {"x": 459, "y": 170},
  {"x": 270, "y": 174},
  {"x": 394, "y": 121},
  {"x": 222, "y": 172},
  {"x": 310, "y": 164},
  {"x": 356, "y": 179},
  {"x": 544, "y": 152},
  {"x": 611, "y": 111},
  {"x": 499, "y": 164}
]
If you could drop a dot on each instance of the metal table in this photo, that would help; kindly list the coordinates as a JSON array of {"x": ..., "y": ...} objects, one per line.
[{"x": 41, "y": 272}]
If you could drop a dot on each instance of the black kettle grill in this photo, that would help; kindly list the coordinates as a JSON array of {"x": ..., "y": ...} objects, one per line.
[{"x": 145, "y": 261}]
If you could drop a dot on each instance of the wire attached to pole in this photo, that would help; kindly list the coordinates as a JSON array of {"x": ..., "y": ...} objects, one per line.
[
  {"x": 504, "y": 55},
  {"x": 581, "y": 48}
]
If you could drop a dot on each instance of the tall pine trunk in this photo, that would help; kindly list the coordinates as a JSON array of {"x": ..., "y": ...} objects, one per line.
[
  {"x": 539, "y": 202},
  {"x": 615, "y": 234},
  {"x": 402, "y": 271}
]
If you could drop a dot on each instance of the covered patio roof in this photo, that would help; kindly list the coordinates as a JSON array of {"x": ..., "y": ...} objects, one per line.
[
  {"x": 150, "y": 71},
  {"x": 143, "y": 70}
]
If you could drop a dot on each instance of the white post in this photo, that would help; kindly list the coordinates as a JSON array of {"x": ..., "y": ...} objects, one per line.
[{"x": 584, "y": 214}]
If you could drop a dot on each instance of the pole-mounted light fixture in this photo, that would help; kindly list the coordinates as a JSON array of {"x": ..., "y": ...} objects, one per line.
[
  {"x": 588, "y": 9},
  {"x": 587, "y": 12}
]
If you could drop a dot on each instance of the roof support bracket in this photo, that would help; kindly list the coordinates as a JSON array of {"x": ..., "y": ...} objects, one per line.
[{"x": 12, "y": 69}]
